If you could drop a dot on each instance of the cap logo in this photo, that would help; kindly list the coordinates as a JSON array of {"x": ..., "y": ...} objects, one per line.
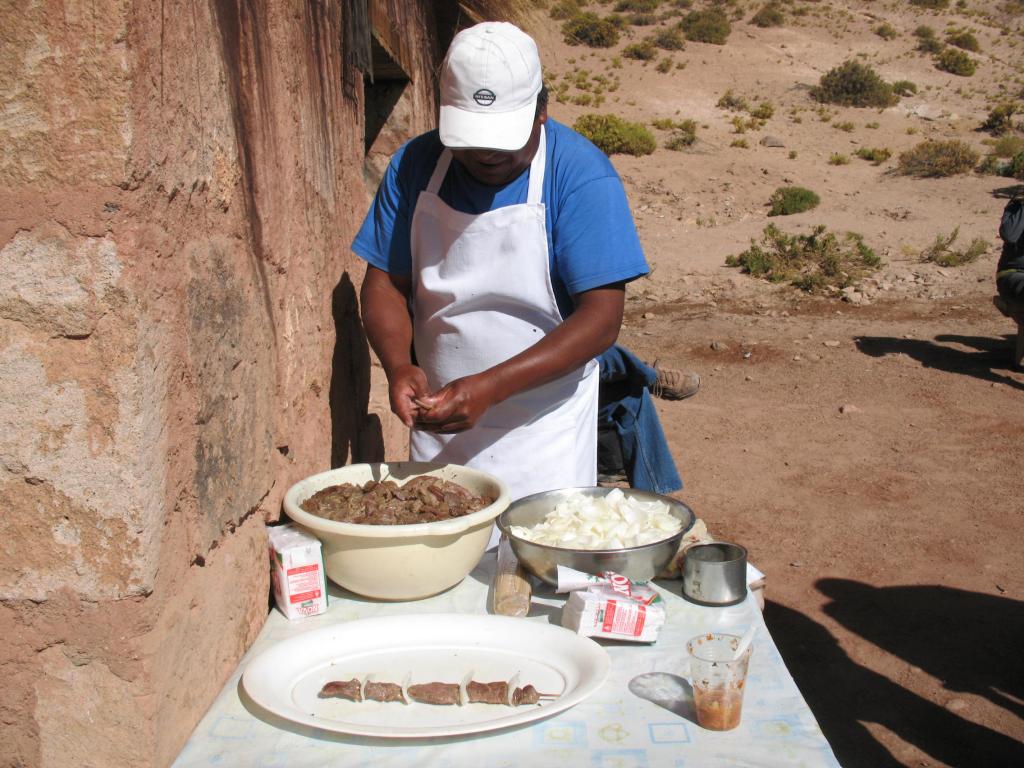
[{"x": 484, "y": 97}]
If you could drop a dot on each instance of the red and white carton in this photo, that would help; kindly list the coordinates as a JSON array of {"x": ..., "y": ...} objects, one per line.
[
  {"x": 297, "y": 572},
  {"x": 610, "y": 605}
]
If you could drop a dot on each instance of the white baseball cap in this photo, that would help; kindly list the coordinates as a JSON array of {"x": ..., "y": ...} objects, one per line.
[{"x": 489, "y": 84}]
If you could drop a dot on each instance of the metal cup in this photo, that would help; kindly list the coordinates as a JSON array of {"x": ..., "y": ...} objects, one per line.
[{"x": 715, "y": 574}]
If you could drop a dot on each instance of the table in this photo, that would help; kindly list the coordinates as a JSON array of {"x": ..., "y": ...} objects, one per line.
[{"x": 613, "y": 728}]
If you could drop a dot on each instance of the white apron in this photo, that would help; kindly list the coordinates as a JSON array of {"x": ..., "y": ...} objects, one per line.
[{"x": 482, "y": 294}]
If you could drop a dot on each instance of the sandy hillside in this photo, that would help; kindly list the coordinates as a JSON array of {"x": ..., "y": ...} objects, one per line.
[{"x": 867, "y": 451}]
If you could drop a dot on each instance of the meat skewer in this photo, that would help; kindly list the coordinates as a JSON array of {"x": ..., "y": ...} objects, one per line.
[{"x": 441, "y": 694}]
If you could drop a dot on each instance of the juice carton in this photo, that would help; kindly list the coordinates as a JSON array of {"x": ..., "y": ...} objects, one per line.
[{"x": 297, "y": 572}]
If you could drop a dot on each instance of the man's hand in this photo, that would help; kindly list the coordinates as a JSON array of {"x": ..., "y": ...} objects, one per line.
[
  {"x": 407, "y": 384},
  {"x": 457, "y": 406}
]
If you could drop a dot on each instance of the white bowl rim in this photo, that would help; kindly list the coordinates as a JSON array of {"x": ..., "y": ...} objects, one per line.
[{"x": 436, "y": 528}]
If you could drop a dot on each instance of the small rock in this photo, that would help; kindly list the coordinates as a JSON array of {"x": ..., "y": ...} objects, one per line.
[
  {"x": 772, "y": 141},
  {"x": 797, "y": 564},
  {"x": 956, "y": 705},
  {"x": 649, "y": 315},
  {"x": 849, "y": 408},
  {"x": 746, "y": 355},
  {"x": 832, "y": 343},
  {"x": 797, "y": 358},
  {"x": 749, "y": 378},
  {"x": 718, "y": 346},
  {"x": 1001, "y": 588}
]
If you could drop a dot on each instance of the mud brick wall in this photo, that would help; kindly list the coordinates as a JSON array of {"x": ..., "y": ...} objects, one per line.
[{"x": 179, "y": 341}]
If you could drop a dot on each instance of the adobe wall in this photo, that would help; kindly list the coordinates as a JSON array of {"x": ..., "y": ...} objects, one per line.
[{"x": 179, "y": 342}]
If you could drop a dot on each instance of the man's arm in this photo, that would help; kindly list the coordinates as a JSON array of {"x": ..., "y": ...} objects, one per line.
[
  {"x": 384, "y": 298},
  {"x": 591, "y": 328}
]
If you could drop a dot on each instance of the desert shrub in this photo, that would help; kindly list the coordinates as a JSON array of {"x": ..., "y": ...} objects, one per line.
[
  {"x": 732, "y": 102},
  {"x": 956, "y": 62},
  {"x": 877, "y": 155},
  {"x": 924, "y": 32},
  {"x": 943, "y": 253},
  {"x": 964, "y": 39},
  {"x": 642, "y": 19},
  {"x": 837, "y": 158},
  {"x": 785, "y": 201},
  {"x": 642, "y": 51},
  {"x": 769, "y": 15},
  {"x": 1016, "y": 167},
  {"x": 564, "y": 9},
  {"x": 1000, "y": 119},
  {"x": 684, "y": 134},
  {"x": 853, "y": 84},
  {"x": 931, "y": 159},
  {"x": 637, "y": 6},
  {"x": 871, "y": 126},
  {"x": 1008, "y": 146},
  {"x": 740, "y": 143},
  {"x": 613, "y": 135},
  {"x": 707, "y": 26},
  {"x": 904, "y": 88},
  {"x": 993, "y": 165},
  {"x": 763, "y": 111},
  {"x": 935, "y": 5},
  {"x": 590, "y": 30},
  {"x": 930, "y": 45},
  {"x": 670, "y": 39},
  {"x": 846, "y": 126},
  {"x": 886, "y": 31},
  {"x": 664, "y": 65},
  {"x": 821, "y": 262}
]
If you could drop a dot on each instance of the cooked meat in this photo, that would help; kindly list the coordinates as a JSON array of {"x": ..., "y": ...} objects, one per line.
[
  {"x": 384, "y": 692},
  {"x": 525, "y": 695},
  {"x": 423, "y": 499},
  {"x": 432, "y": 693},
  {"x": 487, "y": 693},
  {"x": 435, "y": 693},
  {"x": 343, "y": 689}
]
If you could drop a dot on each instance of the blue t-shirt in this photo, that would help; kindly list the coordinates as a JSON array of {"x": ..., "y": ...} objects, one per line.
[{"x": 592, "y": 240}]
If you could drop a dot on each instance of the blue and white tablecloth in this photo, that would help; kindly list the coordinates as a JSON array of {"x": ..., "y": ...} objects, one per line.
[{"x": 616, "y": 727}]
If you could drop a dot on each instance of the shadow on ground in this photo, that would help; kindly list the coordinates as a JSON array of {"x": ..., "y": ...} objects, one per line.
[
  {"x": 988, "y": 356},
  {"x": 968, "y": 641}
]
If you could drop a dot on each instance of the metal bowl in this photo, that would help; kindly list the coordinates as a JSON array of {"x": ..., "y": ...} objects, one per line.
[{"x": 641, "y": 563}]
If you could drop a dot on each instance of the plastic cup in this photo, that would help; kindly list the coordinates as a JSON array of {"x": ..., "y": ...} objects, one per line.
[{"x": 717, "y": 679}]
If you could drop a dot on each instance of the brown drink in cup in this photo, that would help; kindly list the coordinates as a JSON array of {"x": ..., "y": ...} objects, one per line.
[{"x": 718, "y": 679}]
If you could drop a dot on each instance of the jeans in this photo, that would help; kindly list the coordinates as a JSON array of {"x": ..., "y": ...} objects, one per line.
[
  {"x": 627, "y": 404},
  {"x": 1011, "y": 286}
]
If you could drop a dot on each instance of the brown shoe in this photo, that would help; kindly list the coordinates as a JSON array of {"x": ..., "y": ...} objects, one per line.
[{"x": 673, "y": 384}]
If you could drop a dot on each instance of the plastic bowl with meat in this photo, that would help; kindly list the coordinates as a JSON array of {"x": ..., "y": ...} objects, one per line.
[{"x": 401, "y": 530}]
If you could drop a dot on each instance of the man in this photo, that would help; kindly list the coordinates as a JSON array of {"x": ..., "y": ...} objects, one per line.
[
  {"x": 498, "y": 248},
  {"x": 1010, "y": 270},
  {"x": 631, "y": 445}
]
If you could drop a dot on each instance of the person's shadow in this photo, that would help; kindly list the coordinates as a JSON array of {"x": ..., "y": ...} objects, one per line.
[
  {"x": 970, "y": 641},
  {"x": 989, "y": 355}
]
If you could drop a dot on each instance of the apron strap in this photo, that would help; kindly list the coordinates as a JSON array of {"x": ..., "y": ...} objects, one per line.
[
  {"x": 536, "y": 189},
  {"x": 534, "y": 193},
  {"x": 439, "y": 171}
]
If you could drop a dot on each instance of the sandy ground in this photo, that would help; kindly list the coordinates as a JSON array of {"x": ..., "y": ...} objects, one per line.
[{"x": 867, "y": 454}]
